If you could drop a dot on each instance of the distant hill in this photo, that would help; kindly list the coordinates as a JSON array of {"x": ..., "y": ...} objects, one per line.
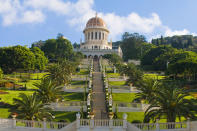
[
  {"x": 188, "y": 42},
  {"x": 116, "y": 44}
]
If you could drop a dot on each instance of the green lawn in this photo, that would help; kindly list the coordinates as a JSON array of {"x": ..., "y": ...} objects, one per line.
[
  {"x": 155, "y": 76},
  {"x": 20, "y": 77},
  {"x": 67, "y": 116},
  {"x": 113, "y": 74},
  {"x": 73, "y": 96},
  {"x": 117, "y": 83},
  {"x": 29, "y": 84},
  {"x": 83, "y": 72},
  {"x": 4, "y": 113},
  {"x": 78, "y": 82},
  {"x": 8, "y": 98},
  {"x": 123, "y": 97},
  {"x": 132, "y": 116},
  {"x": 59, "y": 115},
  {"x": 140, "y": 116},
  {"x": 26, "y": 75}
]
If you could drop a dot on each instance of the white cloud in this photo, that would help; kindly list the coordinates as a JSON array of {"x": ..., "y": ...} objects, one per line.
[
  {"x": 57, "y": 6},
  {"x": 77, "y": 13},
  {"x": 133, "y": 22},
  {"x": 169, "y": 32},
  {"x": 13, "y": 12},
  {"x": 32, "y": 17}
]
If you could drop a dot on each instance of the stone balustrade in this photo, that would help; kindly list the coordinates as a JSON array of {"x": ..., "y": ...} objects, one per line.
[
  {"x": 69, "y": 106},
  {"x": 96, "y": 124},
  {"x": 178, "y": 126}
]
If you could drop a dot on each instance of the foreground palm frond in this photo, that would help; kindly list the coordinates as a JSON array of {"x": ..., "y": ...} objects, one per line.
[
  {"x": 170, "y": 103},
  {"x": 30, "y": 107},
  {"x": 48, "y": 91}
]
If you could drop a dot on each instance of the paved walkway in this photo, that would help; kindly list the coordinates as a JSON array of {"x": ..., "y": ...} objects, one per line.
[{"x": 99, "y": 105}]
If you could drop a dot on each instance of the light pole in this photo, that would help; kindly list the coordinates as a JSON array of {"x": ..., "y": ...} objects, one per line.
[{"x": 167, "y": 64}]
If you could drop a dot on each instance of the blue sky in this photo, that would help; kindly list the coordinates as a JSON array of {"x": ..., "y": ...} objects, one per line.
[{"x": 26, "y": 21}]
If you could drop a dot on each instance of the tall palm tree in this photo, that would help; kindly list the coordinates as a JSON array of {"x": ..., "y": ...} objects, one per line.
[
  {"x": 47, "y": 90},
  {"x": 30, "y": 107},
  {"x": 147, "y": 88},
  {"x": 135, "y": 74},
  {"x": 170, "y": 103},
  {"x": 61, "y": 73}
]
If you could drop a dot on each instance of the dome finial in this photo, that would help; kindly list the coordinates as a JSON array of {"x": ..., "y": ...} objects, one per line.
[{"x": 96, "y": 14}]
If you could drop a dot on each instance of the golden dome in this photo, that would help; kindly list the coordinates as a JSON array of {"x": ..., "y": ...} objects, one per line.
[{"x": 95, "y": 21}]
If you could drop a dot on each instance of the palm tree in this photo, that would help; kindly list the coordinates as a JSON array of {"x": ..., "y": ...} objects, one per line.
[
  {"x": 147, "y": 88},
  {"x": 170, "y": 103},
  {"x": 61, "y": 73},
  {"x": 30, "y": 107},
  {"x": 135, "y": 75},
  {"x": 48, "y": 91},
  {"x": 1, "y": 73}
]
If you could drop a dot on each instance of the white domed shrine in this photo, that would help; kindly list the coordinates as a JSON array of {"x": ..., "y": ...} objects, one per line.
[{"x": 96, "y": 39}]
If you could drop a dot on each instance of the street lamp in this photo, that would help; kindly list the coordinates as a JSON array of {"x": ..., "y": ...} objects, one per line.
[{"x": 167, "y": 64}]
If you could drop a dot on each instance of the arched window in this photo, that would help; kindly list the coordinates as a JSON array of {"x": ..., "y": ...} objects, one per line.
[
  {"x": 95, "y": 35},
  {"x": 88, "y": 35},
  {"x": 99, "y": 35},
  {"x": 92, "y": 35}
]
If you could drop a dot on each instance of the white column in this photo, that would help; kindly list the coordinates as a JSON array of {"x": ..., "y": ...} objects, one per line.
[
  {"x": 14, "y": 121},
  {"x": 78, "y": 120},
  {"x": 125, "y": 121},
  {"x": 44, "y": 124},
  {"x": 157, "y": 124},
  {"x": 188, "y": 124},
  {"x": 114, "y": 69},
  {"x": 91, "y": 123},
  {"x": 110, "y": 123}
]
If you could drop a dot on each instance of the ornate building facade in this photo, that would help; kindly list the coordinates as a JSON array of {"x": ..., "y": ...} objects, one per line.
[{"x": 96, "y": 39}]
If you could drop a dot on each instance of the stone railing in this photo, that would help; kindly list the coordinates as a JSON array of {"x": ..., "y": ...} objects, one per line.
[
  {"x": 127, "y": 107},
  {"x": 113, "y": 123},
  {"x": 69, "y": 106},
  {"x": 80, "y": 77},
  {"x": 86, "y": 124},
  {"x": 28, "y": 124},
  {"x": 178, "y": 126},
  {"x": 6, "y": 123},
  {"x": 90, "y": 86}
]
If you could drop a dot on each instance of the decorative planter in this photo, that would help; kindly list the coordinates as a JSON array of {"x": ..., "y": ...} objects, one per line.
[
  {"x": 14, "y": 115},
  {"x": 111, "y": 115},
  {"x": 91, "y": 115}
]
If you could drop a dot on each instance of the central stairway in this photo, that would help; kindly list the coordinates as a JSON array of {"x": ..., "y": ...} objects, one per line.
[{"x": 99, "y": 103}]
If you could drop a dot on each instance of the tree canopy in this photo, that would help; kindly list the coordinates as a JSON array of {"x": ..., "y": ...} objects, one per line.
[
  {"x": 56, "y": 49},
  {"x": 179, "y": 42},
  {"x": 21, "y": 58},
  {"x": 1, "y": 73},
  {"x": 184, "y": 63},
  {"x": 16, "y": 57},
  {"x": 40, "y": 59},
  {"x": 134, "y": 46},
  {"x": 157, "y": 58}
]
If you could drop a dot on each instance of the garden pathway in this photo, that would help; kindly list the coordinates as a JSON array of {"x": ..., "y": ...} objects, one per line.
[{"x": 99, "y": 104}]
